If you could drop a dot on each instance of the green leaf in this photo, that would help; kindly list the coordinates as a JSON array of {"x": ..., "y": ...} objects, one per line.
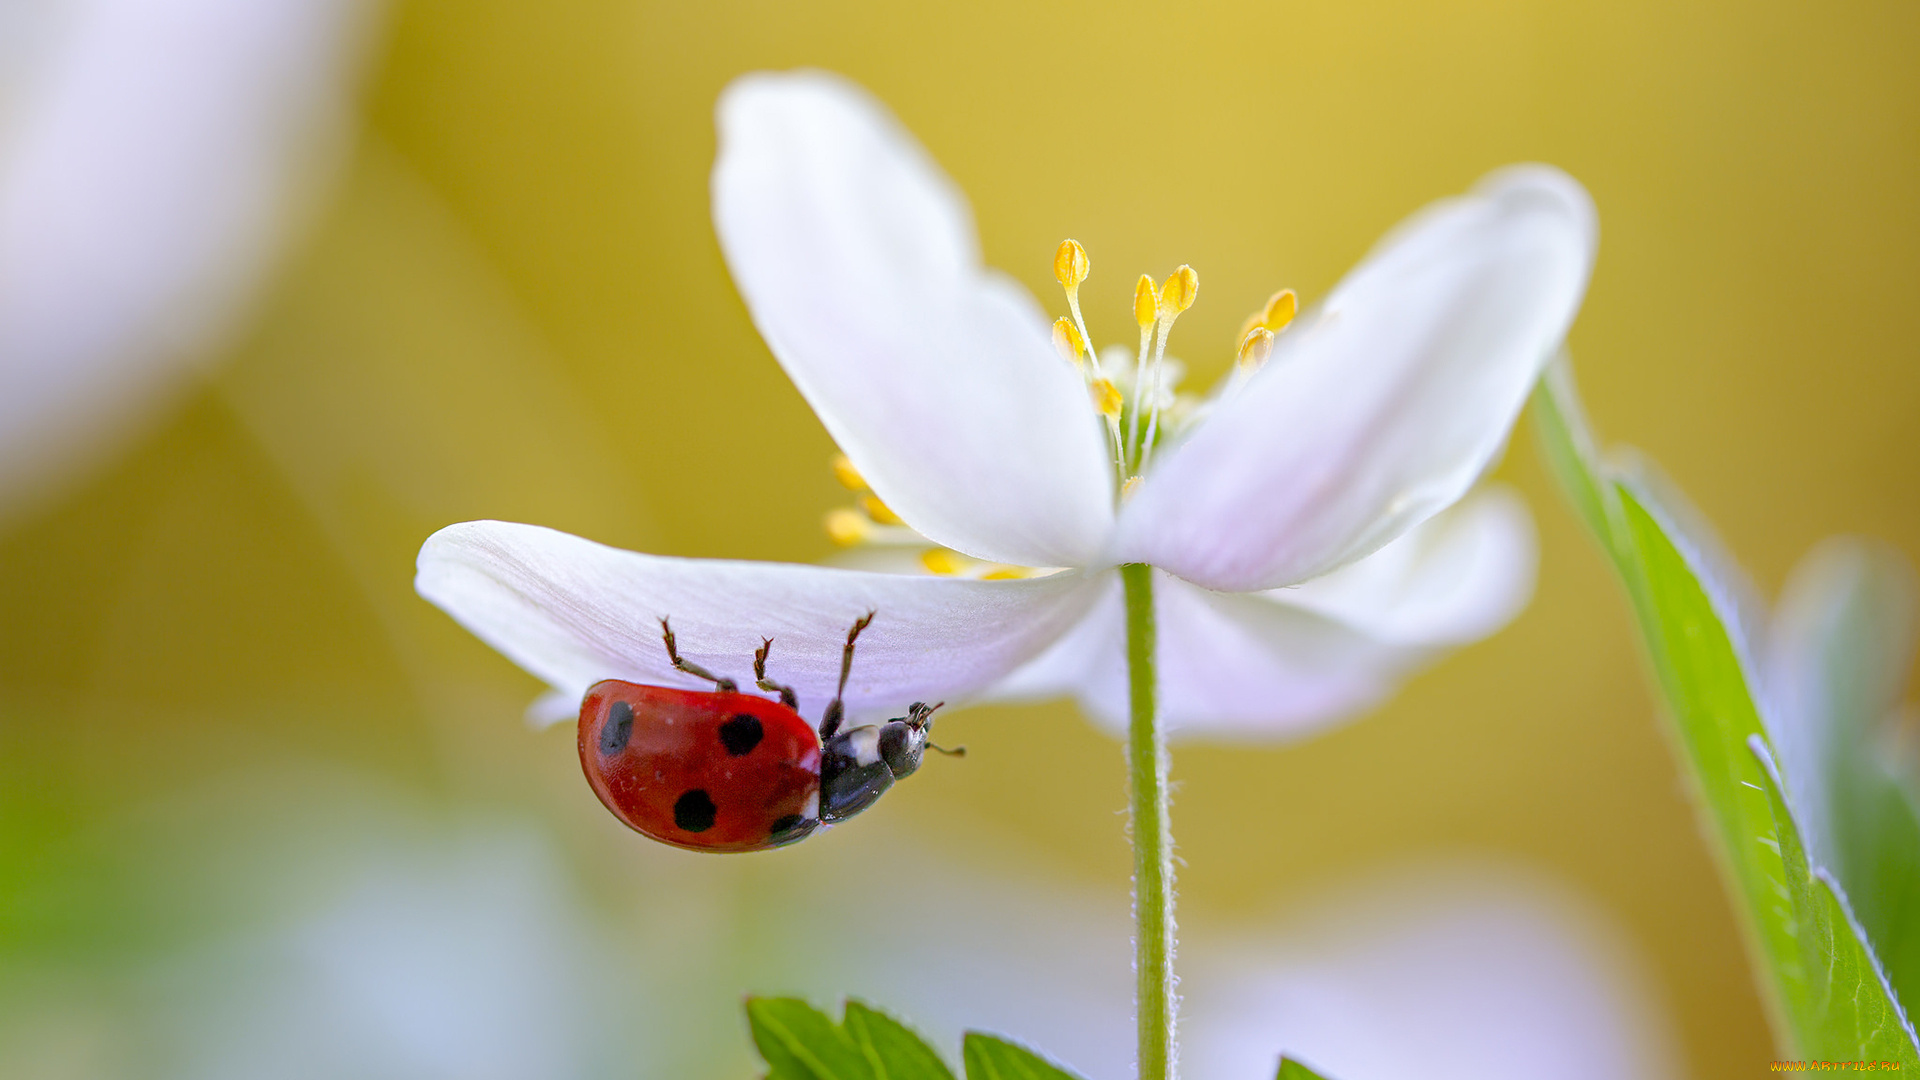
[
  {"x": 1567, "y": 443},
  {"x": 1838, "y": 989},
  {"x": 895, "y": 1051},
  {"x": 799, "y": 1042},
  {"x": 1687, "y": 601},
  {"x": 1293, "y": 1070},
  {"x": 1839, "y": 656},
  {"x": 989, "y": 1058}
]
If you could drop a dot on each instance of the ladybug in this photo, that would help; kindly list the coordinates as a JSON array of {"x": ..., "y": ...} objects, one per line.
[{"x": 721, "y": 770}]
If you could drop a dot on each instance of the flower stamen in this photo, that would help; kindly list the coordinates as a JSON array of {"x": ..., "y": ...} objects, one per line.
[
  {"x": 848, "y": 476},
  {"x": 1279, "y": 311},
  {"x": 1254, "y": 349},
  {"x": 868, "y": 521},
  {"x": 1175, "y": 297},
  {"x": 1068, "y": 342},
  {"x": 944, "y": 562},
  {"x": 1146, "y": 312},
  {"x": 1071, "y": 267},
  {"x": 846, "y": 527},
  {"x": 879, "y": 511}
]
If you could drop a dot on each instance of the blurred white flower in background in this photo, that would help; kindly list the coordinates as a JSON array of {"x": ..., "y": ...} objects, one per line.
[
  {"x": 391, "y": 944},
  {"x": 1428, "y": 971},
  {"x": 1462, "y": 972},
  {"x": 154, "y": 158},
  {"x": 360, "y": 934},
  {"x": 464, "y": 956}
]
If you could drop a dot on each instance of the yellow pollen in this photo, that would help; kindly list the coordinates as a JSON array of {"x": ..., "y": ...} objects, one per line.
[
  {"x": 943, "y": 562},
  {"x": 1132, "y": 485},
  {"x": 1007, "y": 573},
  {"x": 848, "y": 476},
  {"x": 879, "y": 511},
  {"x": 1070, "y": 265},
  {"x": 1178, "y": 293},
  {"x": 847, "y": 527},
  {"x": 1281, "y": 308},
  {"x": 1067, "y": 340},
  {"x": 1255, "y": 348},
  {"x": 1106, "y": 398},
  {"x": 1146, "y": 302}
]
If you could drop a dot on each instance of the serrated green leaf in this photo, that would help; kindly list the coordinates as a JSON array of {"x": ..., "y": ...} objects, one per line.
[
  {"x": 799, "y": 1042},
  {"x": 1814, "y": 963},
  {"x": 895, "y": 1050},
  {"x": 1293, "y": 1070},
  {"x": 1839, "y": 656},
  {"x": 1835, "y": 987},
  {"x": 991, "y": 1058}
]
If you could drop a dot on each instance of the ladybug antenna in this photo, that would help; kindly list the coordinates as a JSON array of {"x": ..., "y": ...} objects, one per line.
[
  {"x": 836, "y": 709},
  {"x": 921, "y": 716}
]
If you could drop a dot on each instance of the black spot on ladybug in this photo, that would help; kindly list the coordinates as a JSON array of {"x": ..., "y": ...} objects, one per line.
[
  {"x": 618, "y": 729},
  {"x": 693, "y": 812},
  {"x": 741, "y": 734}
]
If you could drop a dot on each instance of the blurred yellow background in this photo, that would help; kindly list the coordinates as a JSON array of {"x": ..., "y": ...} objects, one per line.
[{"x": 511, "y": 305}]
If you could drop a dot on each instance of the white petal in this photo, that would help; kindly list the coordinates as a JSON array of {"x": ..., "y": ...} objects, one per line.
[
  {"x": 573, "y": 612},
  {"x": 1385, "y": 407},
  {"x": 1230, "y": 665},
  {"x": 149, "y": 158},
  {"x": 856, "y": 257},
  {"x": 1454, "y": 579}
]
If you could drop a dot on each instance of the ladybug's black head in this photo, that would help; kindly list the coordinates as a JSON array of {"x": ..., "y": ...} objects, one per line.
[
  {"x": 903, "y": 741},
  {"x": 858, "y": 766}
]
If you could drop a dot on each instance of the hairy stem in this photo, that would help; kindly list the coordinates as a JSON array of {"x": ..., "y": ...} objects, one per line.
[{"x": 1152, "y": 836}]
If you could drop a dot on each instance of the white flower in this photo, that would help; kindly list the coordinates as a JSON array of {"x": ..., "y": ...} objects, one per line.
[
  {"x": 151, "y": 157},
  {"x": 1297, "y": 522}
]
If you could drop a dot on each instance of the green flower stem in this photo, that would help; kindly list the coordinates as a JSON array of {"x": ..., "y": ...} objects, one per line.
[{"x": 1152, "y": 836}]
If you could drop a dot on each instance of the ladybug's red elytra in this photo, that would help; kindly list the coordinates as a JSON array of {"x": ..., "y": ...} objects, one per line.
[{"x": 720, "y": 770}]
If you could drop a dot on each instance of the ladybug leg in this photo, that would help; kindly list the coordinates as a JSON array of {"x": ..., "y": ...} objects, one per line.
[
  {"x": 836, "y": 711},
  {"x": 724, "y": 686},
  {"x": 787, "y": 697}
]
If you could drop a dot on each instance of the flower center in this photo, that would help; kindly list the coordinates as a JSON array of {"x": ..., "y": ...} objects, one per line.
[
  {"x": 1135, "y": 399},
  {"x": 1141, "y": 406}
]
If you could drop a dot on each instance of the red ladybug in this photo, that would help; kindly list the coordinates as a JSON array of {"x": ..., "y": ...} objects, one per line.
[{"x": 724, "y": 771}]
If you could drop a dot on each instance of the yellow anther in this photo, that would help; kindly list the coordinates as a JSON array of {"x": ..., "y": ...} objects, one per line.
[
  {"x": 1106, "y": 398},
  {"x": 1067, "y": 340},
  {"x": 1070, "y": 265},
  {"x": 847, "y": 527},
  {"x": 1007, "y": 573},
  {"x": 1146, "y": 302},
  {"x": 1132, "y": 485},
  {"x": 1177, "y": 294},
  {"x": 1255, "y": 347},
  {"x": 1281, "y": 308},
  {"x": 879, "y": 511},
  {"x": 848, "y": 476},
  {"x": 943, "y": 562}
]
